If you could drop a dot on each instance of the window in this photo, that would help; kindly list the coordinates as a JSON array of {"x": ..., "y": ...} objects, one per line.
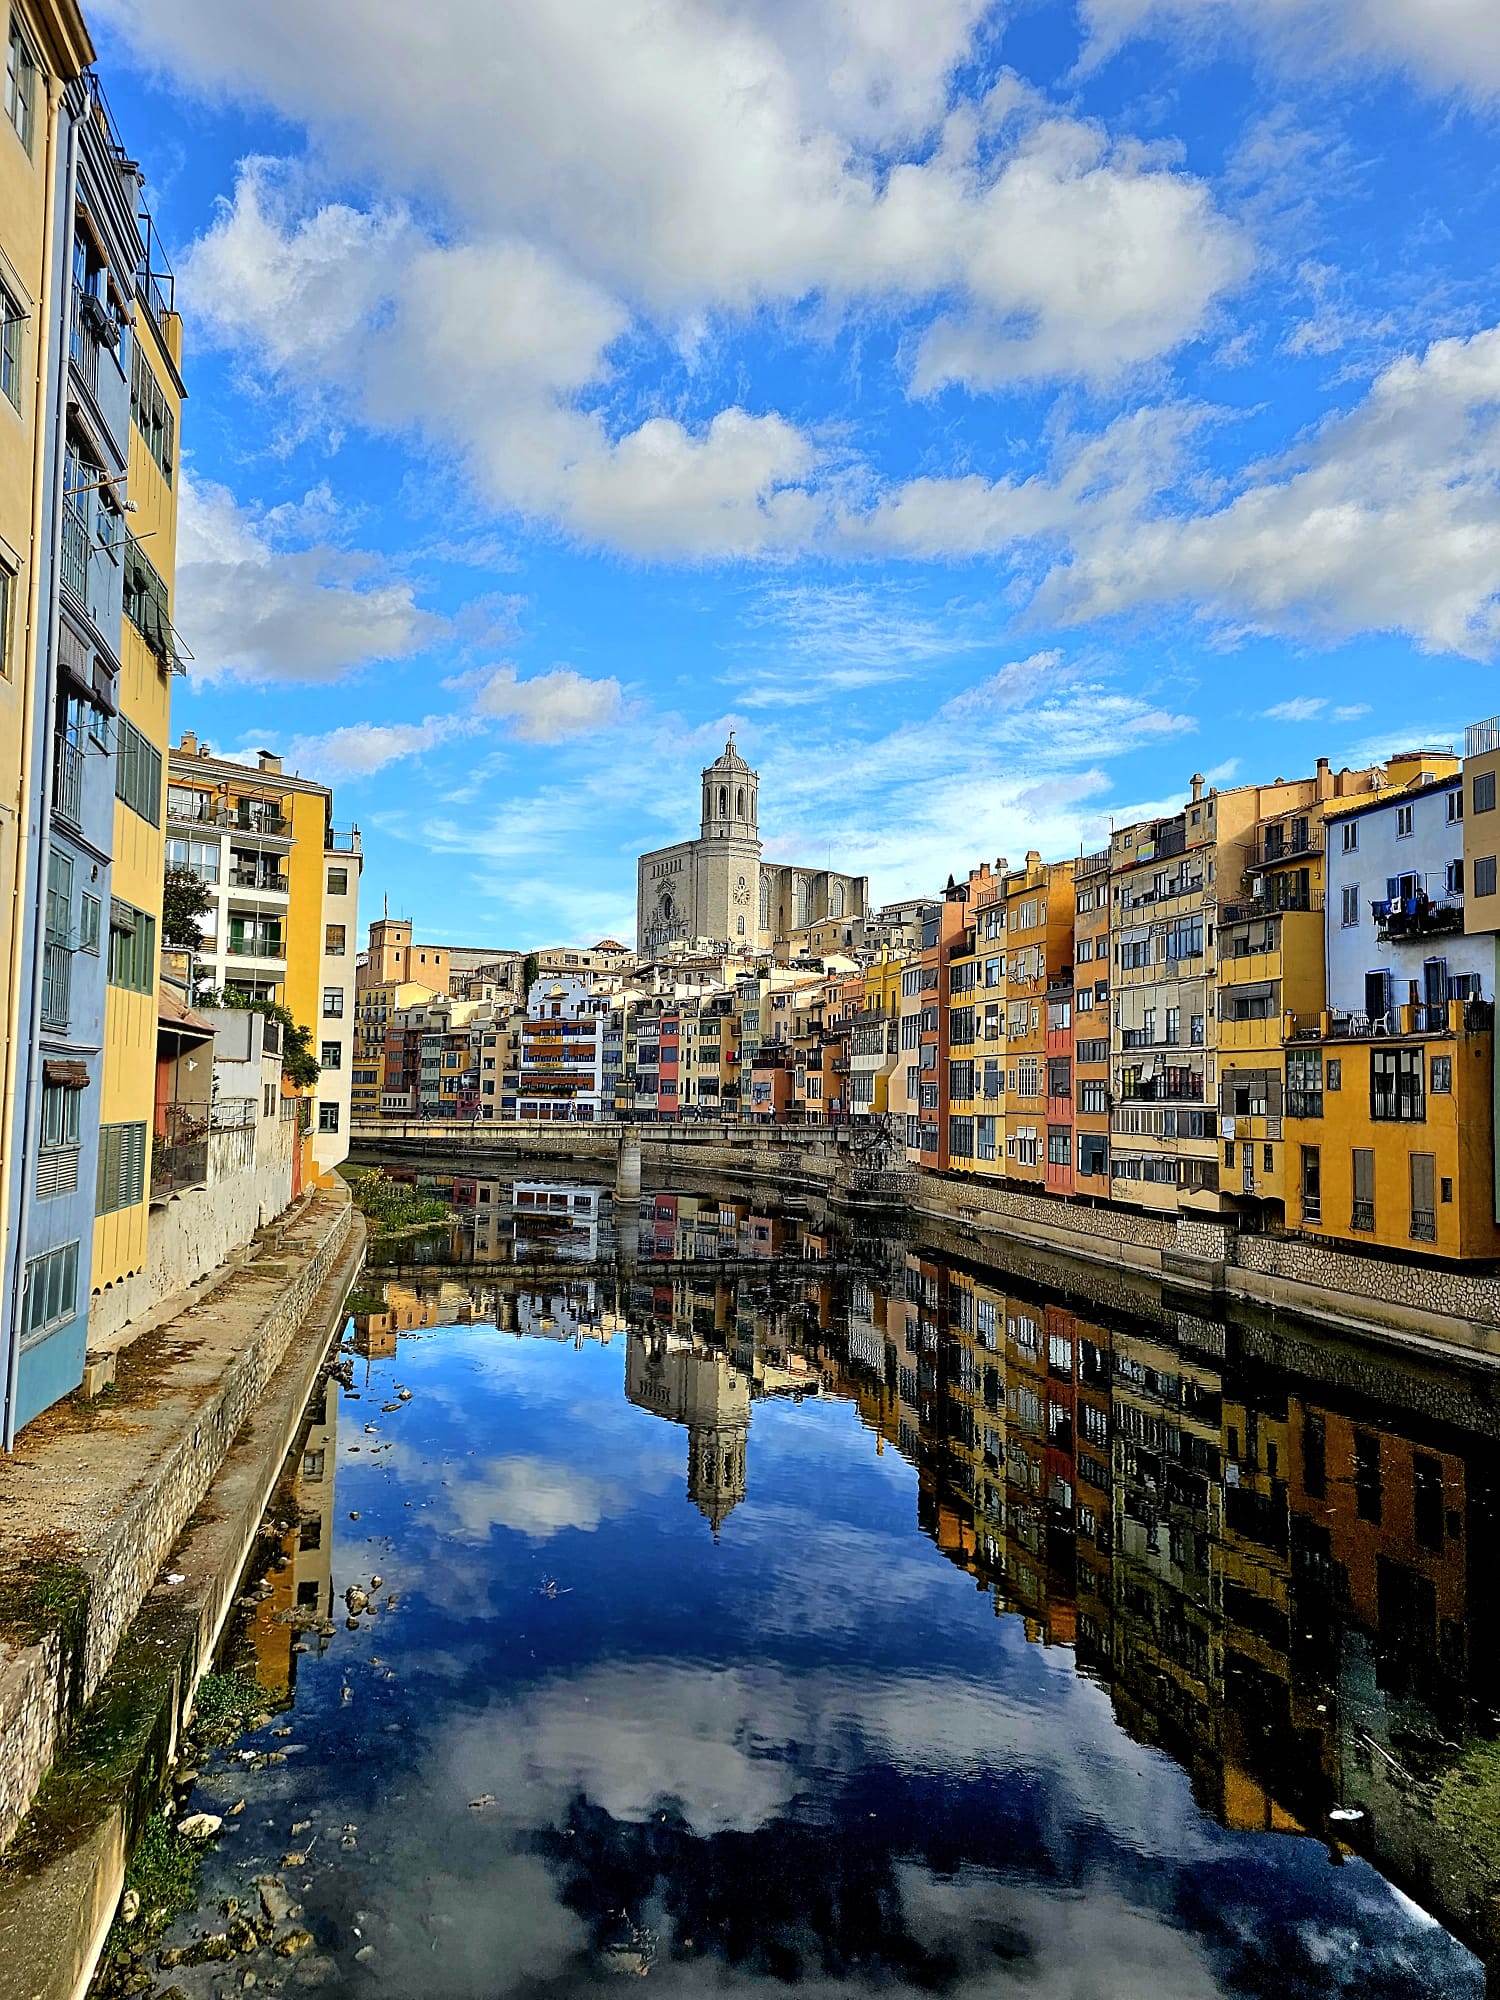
[
  {"x": 1455, "y": 806},
  {"x": 1174, "y": 1026},
  {"x": 961, "y": 1079},
  {"x": 1185, "y": 938},
  {"x": 1093, "y": 1153},
  {"x": 1363, "y": 1215},
  {"x": 1059, "y": 1146},
  {"x": 1403, "y": 821},
  {"x": 1312, "y": 1184},
  {"x": 1396, "y": 1086},
  {"x": 20, "y": 82},
  {"x": 122, "y": 1167},
  {"x": 1453, "y": 878},
  {"x": 1351, "y": 836},
  {"x": 1335, "y": 1079},
  {"x": 138, "y": 773},
  {"x": 1093, "y": 1097},
  {"x": 60, "y": 1106},
  {"x": 1440, "y": 1075},
  {"x": 328, "y": 1118},
  {"x": 195, "y": 857},
  {"x": 961, "y": 1138},
  {"x": 1349, "y": 905},
  {"x": 1423, "y": 1204},
  {"x": 132, "y": 948},
  {"x": 1304, "y": 1083},
  {"x": 51, "y": 1292},
  {"x": 333, "y": 1003},
  {"x": 1484, "y": 875},
  {"x": 146, "y": 602},
  {"x": 89, "y": 924},
  {"x": 333, "y": 940},
  {"x": 12, "y": 324},
  {"x": 1484, "y": 792},
  {"x": 332, "y": 1056},
  {"x": 338, "y": 881},
  {"x": 151, "y": 411}
]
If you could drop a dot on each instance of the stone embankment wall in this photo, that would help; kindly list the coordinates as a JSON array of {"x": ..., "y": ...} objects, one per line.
[
  {"x": 195, "y": 1232},
  {"x": 107, "y": 1492},
  {"x": 1200, "y": 1254}
]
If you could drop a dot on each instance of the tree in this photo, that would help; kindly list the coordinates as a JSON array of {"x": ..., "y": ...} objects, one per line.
[
  {"x": 184, "y": 899},
  {"x": 298, "y": 1063},
  {"x": 531, "y": 967}
]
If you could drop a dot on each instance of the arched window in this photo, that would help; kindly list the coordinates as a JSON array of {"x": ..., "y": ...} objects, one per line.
[
  {"x": 723, "y": 802},
  {"x": 739, "y": 811}
]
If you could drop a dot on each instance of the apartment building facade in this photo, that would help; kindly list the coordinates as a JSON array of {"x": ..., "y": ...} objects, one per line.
[{"x": 284, "y": 921}]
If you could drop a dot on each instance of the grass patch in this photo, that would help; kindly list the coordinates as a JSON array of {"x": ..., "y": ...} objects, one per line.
[
  {"x": 227, "y": 1701},
  {"x": 165, "y": 1871},
  {"x": 37, "y": 1597},
  {"x": 392, "y": 1205}
]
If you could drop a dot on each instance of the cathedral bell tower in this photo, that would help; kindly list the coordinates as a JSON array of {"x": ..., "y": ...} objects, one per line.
[{"x": 731, "y": 809}]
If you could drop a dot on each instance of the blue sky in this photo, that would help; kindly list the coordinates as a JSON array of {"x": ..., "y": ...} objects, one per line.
[{"x": 996, "y": 413}]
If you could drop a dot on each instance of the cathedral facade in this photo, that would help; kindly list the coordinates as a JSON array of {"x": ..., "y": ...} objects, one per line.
[{"x": 717, "y": 889}]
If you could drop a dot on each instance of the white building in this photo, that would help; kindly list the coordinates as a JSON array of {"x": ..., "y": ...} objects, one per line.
[{"x": 1394, "y": 915}]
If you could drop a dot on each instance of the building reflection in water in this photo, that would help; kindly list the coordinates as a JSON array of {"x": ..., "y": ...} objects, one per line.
[
  {"x": 301, "y": 1569},
  {"x": 1269, "y": 1550}
]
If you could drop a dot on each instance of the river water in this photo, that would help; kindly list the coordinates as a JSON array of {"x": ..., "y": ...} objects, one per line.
[{"x": 755, "y": 1605}]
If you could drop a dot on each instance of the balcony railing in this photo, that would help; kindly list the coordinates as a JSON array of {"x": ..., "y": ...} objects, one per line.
[
  {"x": 179, "y": 1152},
  {"x": 1480, "y": 738},
  {"x": 67, "y": 782},
  {"x": 335, "y": 842},
  {"x": 1421, "y": 916},
  {"x": 1294, "y": 841},
  {"x": 272, "y": 948},
  {"x": 251, "y": 878},
  {"x": 1424, "y": 1225},
  {"x": 57, "y": 985},
  {"x": 75, "y": 556},
  {"x": 231, "y": 1114}
]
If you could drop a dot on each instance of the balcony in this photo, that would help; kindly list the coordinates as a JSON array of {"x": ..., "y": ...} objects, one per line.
[
  {"x": 1420, "y": 916},
  {"x": 1091, "y": 864},
  {"x": 273, "y": 948},
  {"x": 67, "y": 782},
  {"x": 179, "y": 1155},
  {"x": 335, "y": 842},
  {"x": 1294, "y": 840},
  {"x": 254, "y": 878},
  {"x": 1480, "y": 738},
  {"x": 1293, "y": 901}
]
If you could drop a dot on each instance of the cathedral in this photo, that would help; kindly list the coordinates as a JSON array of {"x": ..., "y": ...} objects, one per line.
[{"x": 716, "y": 890}]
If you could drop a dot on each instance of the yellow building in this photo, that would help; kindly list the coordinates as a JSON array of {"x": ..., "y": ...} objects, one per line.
[
  {"x": 1272, "y": 972},
  {"x": 284, "y": 923},
  {"x": 149, "y": 658}
]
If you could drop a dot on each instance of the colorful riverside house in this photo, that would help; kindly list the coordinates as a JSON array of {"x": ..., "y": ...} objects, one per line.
[
  {"x": 1270, "y": 950},
  {"x": 987, "y": 909},
  {"x": 958, "y": 1082},
  {"x": 1389, "y": 1112},
  {"x": 137, "y": 1093},
  {"x": 1091, "y": 1025},
  {"x": 89, "y": 718},
  {"x": 284, "y": 922},
  {"x": 1481, "y": 857},
  {"x": 943, "y": 934},
  {"x": 1039, "y": 948},
  {"x": 48, "y": 49}
]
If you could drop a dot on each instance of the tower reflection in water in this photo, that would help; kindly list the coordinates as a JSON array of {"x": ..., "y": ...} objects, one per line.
[{"x": 1270, "y": 1549}]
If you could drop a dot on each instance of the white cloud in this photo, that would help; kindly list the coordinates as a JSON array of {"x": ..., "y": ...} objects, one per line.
[
  {"x": 1352, "y": 712},
  {"x": 248, "y": 606},
  {"x": 1387, "y": 518},
  {"x": 1301, "y": 708},
  {"x": 545, "y": 708},
  {"x": 359, "y": 749},
  {"x": 652, "y": 166},
  {"x": 1444, "y": 45}
]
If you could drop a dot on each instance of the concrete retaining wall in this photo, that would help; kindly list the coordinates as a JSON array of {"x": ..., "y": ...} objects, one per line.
[
  {"x": 1199, "y": 1254},
  {"x": 177, "y": 1449}
]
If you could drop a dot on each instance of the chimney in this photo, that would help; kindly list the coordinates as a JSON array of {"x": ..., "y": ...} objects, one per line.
[
  {"x": 189, "y": 744},
  {"x": 267, "y": 761},
  {"x": 204, "y": 751},
  {"x": 1197, "y": 786},
  {"x": 1325, "y": 779}
]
